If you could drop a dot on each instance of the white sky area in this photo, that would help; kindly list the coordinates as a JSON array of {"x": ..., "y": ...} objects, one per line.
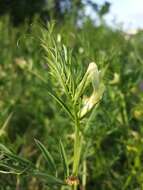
[{"x": 128, "y": 13}]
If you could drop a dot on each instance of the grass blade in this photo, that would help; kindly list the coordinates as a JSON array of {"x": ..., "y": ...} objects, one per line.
[
  {"x": 49, "y": 178},
  {"x": 10, "y": 168},
  {"x": 6, "y": 122},
  {"x": 12, "y": 156},
  {"x": 64, "y": 159},
  {"x": 4, "y": 149},
  {"x": 48, "y": 157}
]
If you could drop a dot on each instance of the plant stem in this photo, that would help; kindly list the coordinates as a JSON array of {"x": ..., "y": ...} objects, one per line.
[
  {"x": 84, "y": 175},
  {"x": 75, "y": 187},
  {"x": 77, "y": 148}
]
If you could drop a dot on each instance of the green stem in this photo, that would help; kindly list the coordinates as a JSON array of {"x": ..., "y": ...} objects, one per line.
[
  {"x": 84, "y": 175},
  {"x": 76, "y": 147},
  {"x": 73, "y": 187}
]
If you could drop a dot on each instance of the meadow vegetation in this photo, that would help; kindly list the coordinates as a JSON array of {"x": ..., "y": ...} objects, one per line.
[{"x": 71, "y": 107}]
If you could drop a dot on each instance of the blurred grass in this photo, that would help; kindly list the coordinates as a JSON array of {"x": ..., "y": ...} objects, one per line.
[{"x": 115, "y": 134}]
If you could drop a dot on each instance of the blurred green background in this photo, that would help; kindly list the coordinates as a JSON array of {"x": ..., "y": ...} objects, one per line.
[{"x": 115, "y": 137}]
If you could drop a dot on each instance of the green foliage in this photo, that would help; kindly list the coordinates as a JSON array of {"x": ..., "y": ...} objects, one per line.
[
  {"x": 20, "y": 12},
  {"x": 46, "y": 155},
  {"x": 64, "y": 159},
  {"x": 42, "y": 92}
]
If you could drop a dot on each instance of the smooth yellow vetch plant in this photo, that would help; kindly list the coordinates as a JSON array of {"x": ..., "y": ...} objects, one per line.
[
  {"x": 92, "y": 76},
  {"x": 90, "y": 102},
  {"x": 61, "y": 68},
  {"x": 70, "y": 92}
]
